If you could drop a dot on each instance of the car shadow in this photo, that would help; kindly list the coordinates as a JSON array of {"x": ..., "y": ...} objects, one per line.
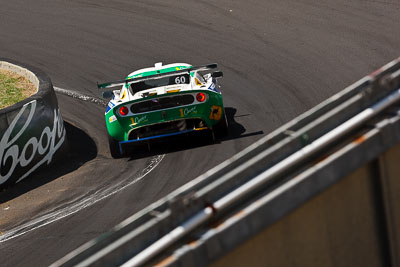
[
  {"x": 236, "y": 130},
  {"x": 192, "y": 140},
  {"x": 80, "y": 149}
]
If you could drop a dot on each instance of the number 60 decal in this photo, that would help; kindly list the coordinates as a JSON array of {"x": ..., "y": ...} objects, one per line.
[{"x": 180, "y": 79}]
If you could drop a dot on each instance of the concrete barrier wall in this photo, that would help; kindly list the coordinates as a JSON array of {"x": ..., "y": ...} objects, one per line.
[
  {"x": 390, "y": 184},
  {"x": 343, "y": 226},
  {"x": 356, "y": 222},
  {"x": 32, "y": 130}
]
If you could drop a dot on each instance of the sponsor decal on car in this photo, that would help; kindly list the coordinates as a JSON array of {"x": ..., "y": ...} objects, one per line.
[
  {"x": 112, "y": 118},
  {"x": 187, "y": 111},
  {"x": 138, "y": 120},
  {"x": 216, "y": 113},
  {"x": 110, "y": 106},
  {"x": 123, "y": 94},
  {"x": 213, "y": 87}
]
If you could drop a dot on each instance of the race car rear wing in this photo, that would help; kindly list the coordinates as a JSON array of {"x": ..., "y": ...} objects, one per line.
[{"x": 157, "y": 76}]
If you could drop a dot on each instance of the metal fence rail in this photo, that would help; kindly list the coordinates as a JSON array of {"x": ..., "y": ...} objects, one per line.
[{"x": 265, "y": 171}]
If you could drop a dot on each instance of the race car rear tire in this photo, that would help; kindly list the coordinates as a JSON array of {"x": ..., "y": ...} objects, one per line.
[
  {"x": 114, "y": 148},
  {"x": 221, "y": 128}
]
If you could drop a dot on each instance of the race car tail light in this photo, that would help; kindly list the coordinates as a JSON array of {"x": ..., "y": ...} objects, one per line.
[
  {"x": 123, "y": 111},
  {"x": 201, "y": 97}
]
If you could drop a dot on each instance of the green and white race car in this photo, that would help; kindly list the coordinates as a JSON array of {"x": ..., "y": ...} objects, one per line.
[{"x": 164, "y": 101}]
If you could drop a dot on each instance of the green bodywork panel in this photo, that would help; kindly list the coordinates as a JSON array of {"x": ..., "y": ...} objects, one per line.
[{"x": 211, "y": 111}]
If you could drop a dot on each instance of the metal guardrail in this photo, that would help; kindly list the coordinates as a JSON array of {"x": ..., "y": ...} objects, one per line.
[{"x": 264, "y": 166}]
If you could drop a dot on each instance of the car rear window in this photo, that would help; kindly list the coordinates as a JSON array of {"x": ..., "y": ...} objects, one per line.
[{"x": 153, "y": 83}]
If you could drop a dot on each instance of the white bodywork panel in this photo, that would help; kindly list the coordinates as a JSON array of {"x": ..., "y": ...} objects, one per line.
[{"x": 124, "y": 94}]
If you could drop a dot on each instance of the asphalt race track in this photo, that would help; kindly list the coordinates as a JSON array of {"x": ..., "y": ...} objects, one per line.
[{"x": 279, "y": 57}]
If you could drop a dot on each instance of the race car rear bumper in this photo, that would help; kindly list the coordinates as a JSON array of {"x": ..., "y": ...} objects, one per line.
[
  {"x": 167, "y": 127},
  {"x": 122, "y": 144}
]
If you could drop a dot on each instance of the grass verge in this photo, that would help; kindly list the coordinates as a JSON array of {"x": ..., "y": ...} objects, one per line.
[{"x": 14, "y": 88}]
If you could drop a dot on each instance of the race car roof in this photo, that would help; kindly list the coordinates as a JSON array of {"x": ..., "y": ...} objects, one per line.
[{"x": 157, "y": 69}]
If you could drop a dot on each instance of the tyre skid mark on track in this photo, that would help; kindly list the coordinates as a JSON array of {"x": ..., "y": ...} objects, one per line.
[
  {"x": 80, "y": 96},
  {"x": 77, "y": 205}
]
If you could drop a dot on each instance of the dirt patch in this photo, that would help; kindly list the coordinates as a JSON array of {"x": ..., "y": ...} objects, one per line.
[{"x": 14, "y": 88}]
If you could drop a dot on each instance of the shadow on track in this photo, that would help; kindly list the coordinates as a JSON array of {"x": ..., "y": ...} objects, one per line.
[
  {"x": 236, "y": 130},
  {"x": 190, "y": 141},
  {"x": 81, "y": 149}
]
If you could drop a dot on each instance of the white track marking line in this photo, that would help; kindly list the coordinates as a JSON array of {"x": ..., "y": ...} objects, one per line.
[
  {"x": 89, "y": 201},
  {"x": 86, "y": 202}
]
